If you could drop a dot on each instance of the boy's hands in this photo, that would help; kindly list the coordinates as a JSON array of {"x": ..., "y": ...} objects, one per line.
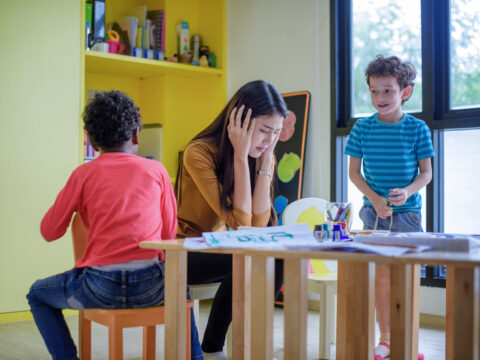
[
  {"x": 240, "y": 136},
  {"x": 382, "y": 207},
  {"x": 398, "y": 196}
]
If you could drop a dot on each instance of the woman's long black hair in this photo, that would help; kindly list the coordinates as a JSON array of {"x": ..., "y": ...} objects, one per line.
[{"x": 263, "y": 99}]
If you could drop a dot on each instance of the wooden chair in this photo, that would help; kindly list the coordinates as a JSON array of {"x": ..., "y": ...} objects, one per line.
[
  {"x": 117, "y": 320},
  {"x": 322, "y": 278}
]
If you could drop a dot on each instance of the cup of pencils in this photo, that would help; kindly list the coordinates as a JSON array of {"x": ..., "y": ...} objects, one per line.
[{"x": 340, "y": 213}]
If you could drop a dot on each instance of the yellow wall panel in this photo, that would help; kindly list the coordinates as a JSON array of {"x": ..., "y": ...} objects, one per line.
[
  {"x": 190, "y": 107},
  {"x": 39, "y": 104},
  {"x": 153, "y": 100},
  {"x": 43, "y": 91}
]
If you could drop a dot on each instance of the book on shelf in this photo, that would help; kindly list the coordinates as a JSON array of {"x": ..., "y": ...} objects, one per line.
[
  {"x": 89, "y": 153},
  {"x": 129, "y": 25},
  {"x": 145, "y": 29},
  {"x": 158, "y": 18}
]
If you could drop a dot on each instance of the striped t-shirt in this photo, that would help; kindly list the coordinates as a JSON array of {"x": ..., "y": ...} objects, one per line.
[{"x": 390, "y": 154}]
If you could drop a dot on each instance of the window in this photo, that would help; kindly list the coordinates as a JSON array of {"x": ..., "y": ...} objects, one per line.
[
  {"x": 462, "y": 172},
  {"x": 442, "y": 39},
  {"x": 385, "y": 28},
  {"x": 465, "y": 53}
]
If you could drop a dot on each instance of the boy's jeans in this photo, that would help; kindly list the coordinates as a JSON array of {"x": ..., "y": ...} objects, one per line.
[
  {"x": 400, "y": 222},
  {"x": 87, "y": 288}
]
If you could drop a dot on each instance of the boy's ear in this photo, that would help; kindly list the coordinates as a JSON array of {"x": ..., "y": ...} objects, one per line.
[
  {"x": 407, "y": 92},
  {"x": 135, "y": 136}
]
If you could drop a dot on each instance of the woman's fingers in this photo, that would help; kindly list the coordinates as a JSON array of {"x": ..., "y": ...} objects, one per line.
[
  {"x": 232, "y": 117},
  {"x": 247, "y": 122},
  {"x": 238, "y": 116},
  {"x": 252, "y": 125}
]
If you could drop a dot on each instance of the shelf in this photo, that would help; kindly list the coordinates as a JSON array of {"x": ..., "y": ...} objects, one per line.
[{"x": 129, "y": 66}]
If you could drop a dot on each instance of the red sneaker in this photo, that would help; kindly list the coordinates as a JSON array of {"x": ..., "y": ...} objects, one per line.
[{"x": 382, "y": 351}]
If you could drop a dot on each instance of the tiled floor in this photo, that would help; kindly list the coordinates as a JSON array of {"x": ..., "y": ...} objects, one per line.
[{"x": 21, "y": 341}]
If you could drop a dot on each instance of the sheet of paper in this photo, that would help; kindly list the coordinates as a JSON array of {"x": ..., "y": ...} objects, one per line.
[
  {"x": 290, "y": 237},
  {"x": 195, "y": 244},
  {"x": 266, "y": 237}
]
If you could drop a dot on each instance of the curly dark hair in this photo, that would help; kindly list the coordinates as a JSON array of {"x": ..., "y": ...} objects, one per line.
[
  {"x": 110, "y": 119},
  {"x": 404, "y": 72}
]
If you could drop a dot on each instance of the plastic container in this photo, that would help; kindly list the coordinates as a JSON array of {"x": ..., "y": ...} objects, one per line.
[
  {"x": 112, "y": 46},
  {"x": 340, "y": 213}
]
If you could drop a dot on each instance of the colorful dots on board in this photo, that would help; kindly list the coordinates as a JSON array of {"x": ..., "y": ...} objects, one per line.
[
  {"x": 288, "y": 166},
  {"x": 280, "y": 203},
  {"x": 288, "y": 126}
]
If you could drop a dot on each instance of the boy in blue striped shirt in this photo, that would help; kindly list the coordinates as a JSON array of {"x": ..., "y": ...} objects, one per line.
[{"x": 396, "y": 149}]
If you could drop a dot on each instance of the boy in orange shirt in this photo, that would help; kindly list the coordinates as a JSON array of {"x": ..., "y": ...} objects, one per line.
[{"x": 123, "y": 199}]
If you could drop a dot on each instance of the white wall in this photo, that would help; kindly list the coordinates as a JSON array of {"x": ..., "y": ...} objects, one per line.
[
  {"x": 287, "y": 43},
  {"x": 432, "y": 300}
]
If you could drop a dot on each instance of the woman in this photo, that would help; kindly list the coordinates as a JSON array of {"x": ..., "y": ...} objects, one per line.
[{"x": 225, "y": 179}]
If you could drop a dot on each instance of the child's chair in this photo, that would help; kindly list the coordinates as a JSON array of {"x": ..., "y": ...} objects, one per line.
[
  {"x": 322, "y": 274},
  {"x": 117, "y": 320}
]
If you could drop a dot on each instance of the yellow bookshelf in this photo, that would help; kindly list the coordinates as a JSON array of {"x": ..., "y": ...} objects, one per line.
[
  {"x": 181, "y": 97},
  {"x": 128, "y": 66}
]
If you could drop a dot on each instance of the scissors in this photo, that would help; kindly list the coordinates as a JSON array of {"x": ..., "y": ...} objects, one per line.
[{"x": 113, "y": 35}]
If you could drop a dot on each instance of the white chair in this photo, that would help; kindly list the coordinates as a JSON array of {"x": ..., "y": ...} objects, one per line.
[
  {"x": 322, "y": 278},
  {"x": 202, "y": 292}
]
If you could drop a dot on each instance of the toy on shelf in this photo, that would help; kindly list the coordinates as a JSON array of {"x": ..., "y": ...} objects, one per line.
[
  {"x": 196, "y": 49},
  {"x": 114, "y": 45},
  {"x": 186, "y": 57},
  {"x": 203, "y": 56}
]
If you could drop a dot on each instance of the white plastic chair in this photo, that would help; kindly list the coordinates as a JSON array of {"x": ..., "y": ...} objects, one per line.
[
  {"x": 202, "y": 292},
  {"x": 322, "y": 278}
]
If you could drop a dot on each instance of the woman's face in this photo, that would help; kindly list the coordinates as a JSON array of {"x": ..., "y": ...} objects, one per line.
[{"x": 267, "y": 129}]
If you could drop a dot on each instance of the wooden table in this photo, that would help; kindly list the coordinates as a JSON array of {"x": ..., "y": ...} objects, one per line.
[{"x": 253, "y": 325}]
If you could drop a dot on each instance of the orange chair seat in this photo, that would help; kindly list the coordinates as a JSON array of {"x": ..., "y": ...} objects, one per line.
[{"x": 118, "y": 319}]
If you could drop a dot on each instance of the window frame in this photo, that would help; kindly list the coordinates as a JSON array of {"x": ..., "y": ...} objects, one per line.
[{"x": 436, "y": 112}]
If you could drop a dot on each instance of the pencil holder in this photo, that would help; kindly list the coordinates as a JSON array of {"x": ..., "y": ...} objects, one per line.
[{"x": 340, "y": 213}]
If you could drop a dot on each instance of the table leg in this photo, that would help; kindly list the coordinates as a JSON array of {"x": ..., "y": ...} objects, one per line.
[
  {"x": 262, "y": 306},
  {"x": 355, "y": 311},
  {"x": 460, "y": 309},
  {"x": 240, "y": 318},
  {"x": 295, "y": 308},
  {"x": 404, "y": 307},
  {"x": 175, "y": 304}
]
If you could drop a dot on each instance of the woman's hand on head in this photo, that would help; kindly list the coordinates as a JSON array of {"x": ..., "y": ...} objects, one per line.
[
  {"x": 267, "y": 156},
  {"x": 240, "y": 135}
]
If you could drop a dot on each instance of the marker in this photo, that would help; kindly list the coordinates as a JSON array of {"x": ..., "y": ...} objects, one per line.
[
  {"x": 329, "y": 213},
  {"x": 338, "y": 213}
]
